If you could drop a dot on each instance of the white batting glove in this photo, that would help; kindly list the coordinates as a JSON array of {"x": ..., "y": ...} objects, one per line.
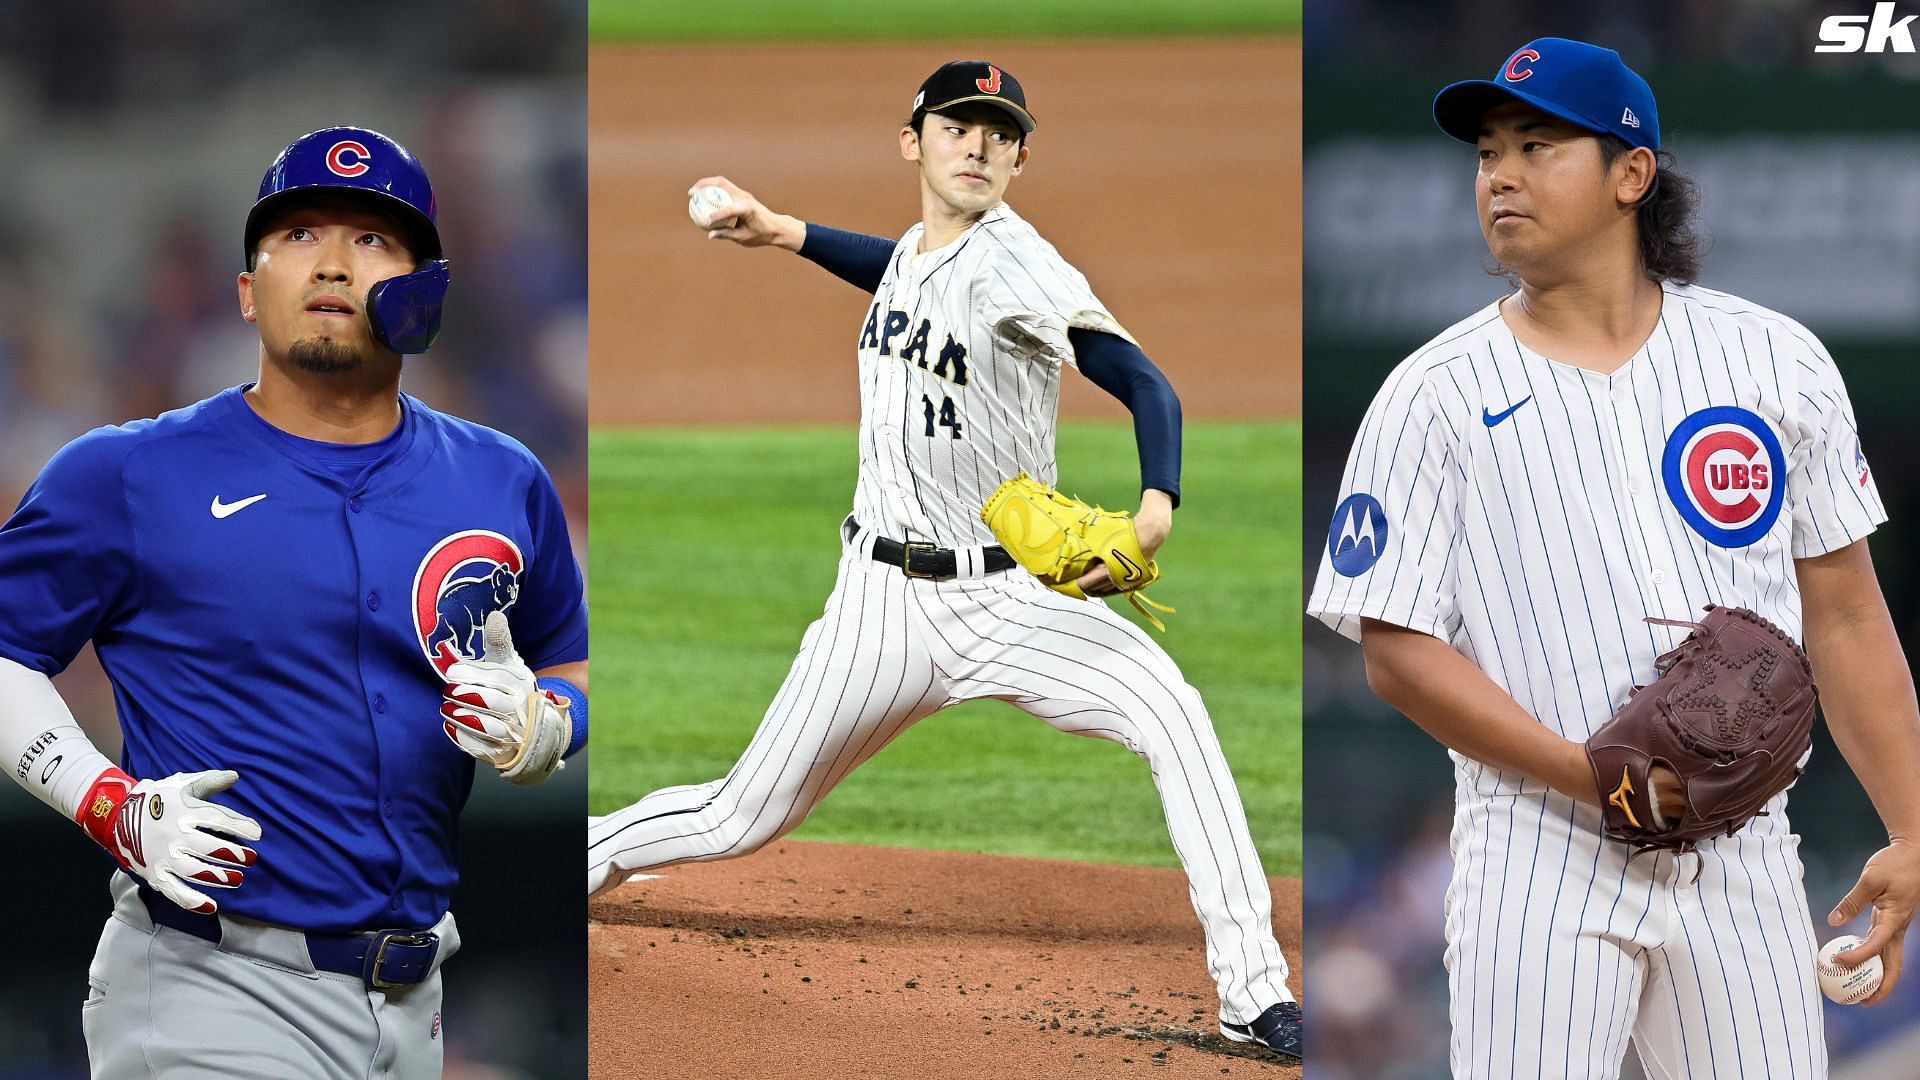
[
  {"x": 496, "y": 711},
  {"x": 167, "y": 834}
]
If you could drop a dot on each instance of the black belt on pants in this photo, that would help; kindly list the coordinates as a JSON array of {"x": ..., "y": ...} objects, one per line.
[
  {"x": 925, "y": 560},
  {"x": 379, "y": 958}
]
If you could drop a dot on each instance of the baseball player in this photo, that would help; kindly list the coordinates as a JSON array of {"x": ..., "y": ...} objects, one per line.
[
  {"x": 300, "y": 588},
  {"x": 959, "y": 354},
  {"x": 1611, "y": 444}
]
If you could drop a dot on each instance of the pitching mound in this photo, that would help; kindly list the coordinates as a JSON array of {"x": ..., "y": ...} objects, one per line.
[{"x": 828, "y": 961}]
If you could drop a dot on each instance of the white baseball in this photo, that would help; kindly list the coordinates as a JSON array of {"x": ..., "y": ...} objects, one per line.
[
  {"x": 703, "y": 204},
  {"x": 1847, "y": 985}
]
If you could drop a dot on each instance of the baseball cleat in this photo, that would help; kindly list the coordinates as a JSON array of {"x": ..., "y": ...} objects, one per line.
[{"x": 1277, "y": 1029}]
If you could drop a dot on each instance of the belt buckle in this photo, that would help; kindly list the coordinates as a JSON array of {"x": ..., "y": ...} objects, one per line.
[
  {"x": 406, "y": 939},
  {"x": 906, "y": 558}
]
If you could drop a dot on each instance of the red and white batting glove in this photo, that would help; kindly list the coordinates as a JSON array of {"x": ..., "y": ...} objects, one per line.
[
  {"x": 496, "y": 711},
  {"x": 167, "y": 834}
]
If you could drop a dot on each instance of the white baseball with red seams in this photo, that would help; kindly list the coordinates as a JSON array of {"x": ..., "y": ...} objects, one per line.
[
  {"x": 1847, "y": 985},
  {"x": 705, "y": 202}
]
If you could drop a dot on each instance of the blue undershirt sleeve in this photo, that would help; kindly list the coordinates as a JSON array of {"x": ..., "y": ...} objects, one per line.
[
  {"x": 1117, "y": 366},
  {"x": 855, "y": 258}
]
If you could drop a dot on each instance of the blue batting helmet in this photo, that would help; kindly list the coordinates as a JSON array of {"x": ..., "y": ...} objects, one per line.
[{"x": 404, "y": 311}]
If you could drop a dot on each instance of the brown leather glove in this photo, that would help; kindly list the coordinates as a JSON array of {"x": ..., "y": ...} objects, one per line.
[{"x": 1731, "y": 714}]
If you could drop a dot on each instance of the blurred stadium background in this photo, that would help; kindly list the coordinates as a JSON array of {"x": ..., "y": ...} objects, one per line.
[
  {"x": 136, "y": 135},
  {"x": 1810, "y": 171}
]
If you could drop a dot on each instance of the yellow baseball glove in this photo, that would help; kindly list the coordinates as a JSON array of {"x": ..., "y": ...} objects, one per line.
[{"x": 1058, "y": 539}]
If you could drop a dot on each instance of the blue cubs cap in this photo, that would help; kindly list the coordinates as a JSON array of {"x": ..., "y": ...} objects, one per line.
[
  {"x": 1583, "y": 84},
  {"x": 404, "y": 311}
]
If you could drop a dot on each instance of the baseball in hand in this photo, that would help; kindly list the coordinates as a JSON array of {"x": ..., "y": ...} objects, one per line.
[
  {"x": 704, "y": 202},
  {"x": 1847, "y": 985}
]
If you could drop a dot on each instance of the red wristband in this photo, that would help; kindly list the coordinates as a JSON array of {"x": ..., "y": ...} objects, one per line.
[{"x": 100, "y": 809}]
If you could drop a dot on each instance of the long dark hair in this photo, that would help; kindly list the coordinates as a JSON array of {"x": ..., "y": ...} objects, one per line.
[{"x": 1671, "y": 242}]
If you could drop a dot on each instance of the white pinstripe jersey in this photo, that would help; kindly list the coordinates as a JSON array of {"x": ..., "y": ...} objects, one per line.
[
  {"x": 960, "y": 357},
  {"x": 1533, "y": 513}
]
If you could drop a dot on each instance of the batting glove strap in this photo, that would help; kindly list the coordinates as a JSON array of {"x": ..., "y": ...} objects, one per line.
[
  {"x": 576, "y": 699},
  {"x": 166, "y": 833},
  {"x": 542, "y": 751}
]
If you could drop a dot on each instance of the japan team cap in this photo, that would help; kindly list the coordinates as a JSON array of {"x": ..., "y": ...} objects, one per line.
[
  {"x": 1582, "y": 84},
  {"x": 973, "y": 80}
]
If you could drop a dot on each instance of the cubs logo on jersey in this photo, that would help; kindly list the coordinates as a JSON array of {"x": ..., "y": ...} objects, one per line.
[
  {"x": 1724, "y": 473},
  {"x": 1358, "y": 534},
  {"x": 462, "y": 580}
]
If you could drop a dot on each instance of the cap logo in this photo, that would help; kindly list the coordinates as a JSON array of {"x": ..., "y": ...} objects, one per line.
[
  {"x": 990, "y": 84},
  {"x": 1513, "y": 71},
  {"x": 1629, "y": 119},
  {"x": 347, "y": 158}
]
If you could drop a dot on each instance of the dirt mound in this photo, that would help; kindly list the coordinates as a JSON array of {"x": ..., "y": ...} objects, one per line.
[
  {"x": 827, "y": 961},
  {"x": 1167, "y": 171}
]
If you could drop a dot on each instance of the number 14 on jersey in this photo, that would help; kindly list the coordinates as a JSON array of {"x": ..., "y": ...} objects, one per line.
[{"x": 944, "y": 416}]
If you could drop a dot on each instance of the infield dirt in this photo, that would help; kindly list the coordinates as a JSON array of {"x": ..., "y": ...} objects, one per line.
[
  {"x": 1168, "y": 172},
  {"x": 827, "y": 960}
]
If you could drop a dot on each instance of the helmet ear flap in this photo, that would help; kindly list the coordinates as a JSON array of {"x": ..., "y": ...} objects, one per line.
[{"x": 404, "y": 311}]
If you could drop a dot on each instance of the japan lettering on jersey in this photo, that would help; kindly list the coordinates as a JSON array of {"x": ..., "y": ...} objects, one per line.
[{"x": 960, "y": 355}]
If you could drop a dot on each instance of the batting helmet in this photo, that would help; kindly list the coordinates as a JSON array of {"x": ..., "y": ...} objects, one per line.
[{"x": 404, "y": 311}]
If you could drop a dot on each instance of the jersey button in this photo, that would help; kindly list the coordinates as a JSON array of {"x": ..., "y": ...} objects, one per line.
[
  {"x": 394, "y": 903},
  {"x": 1657, "y": 577},
  {"x": 373, "y": 601},
  {"x": 386, "y": 807},
  {"x": 380, "y": 703},
  {"x": 353, "y": 504}
]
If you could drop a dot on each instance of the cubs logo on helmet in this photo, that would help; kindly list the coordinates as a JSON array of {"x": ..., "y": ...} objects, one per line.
[
  {"x": 1358, "y": 535},
  {"x": 465, "y": 578},
  {"x": 347, "y": 158},
  {"x": 1725, "y": 474}
]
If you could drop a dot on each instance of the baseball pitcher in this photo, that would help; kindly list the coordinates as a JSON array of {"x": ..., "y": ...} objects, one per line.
[
  {"x": 972, "y": 319},
  {"x": 1581, "y": 537}
]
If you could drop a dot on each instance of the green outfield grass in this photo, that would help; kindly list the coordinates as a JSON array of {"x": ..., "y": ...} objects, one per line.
[
  {"x": 760, "y": 20},
  {"x": 713, "y": 549}
]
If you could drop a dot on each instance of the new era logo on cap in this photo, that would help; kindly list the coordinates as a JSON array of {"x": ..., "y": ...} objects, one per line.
[{"x": 1585, "y": 85}]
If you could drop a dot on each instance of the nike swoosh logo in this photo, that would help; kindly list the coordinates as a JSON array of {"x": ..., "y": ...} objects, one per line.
[
  {"x": 226, "y": 510},
  {"x": 1492, "y": 418}
]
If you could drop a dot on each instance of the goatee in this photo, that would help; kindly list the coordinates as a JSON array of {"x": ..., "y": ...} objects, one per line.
[{"x": 324, "y": 357}]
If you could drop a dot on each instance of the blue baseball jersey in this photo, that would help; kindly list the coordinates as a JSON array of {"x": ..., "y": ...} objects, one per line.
[{"x": 263, "y": 608}]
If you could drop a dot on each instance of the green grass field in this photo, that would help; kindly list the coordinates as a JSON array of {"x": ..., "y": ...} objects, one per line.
[
  {"x": 762, "y": 20},
  {"x": 712, "y": 550}
]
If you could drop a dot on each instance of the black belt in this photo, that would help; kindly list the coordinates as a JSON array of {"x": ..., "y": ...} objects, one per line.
[
  {"x": 379, "y": 958},
  {"x": 926, "y": 561}
]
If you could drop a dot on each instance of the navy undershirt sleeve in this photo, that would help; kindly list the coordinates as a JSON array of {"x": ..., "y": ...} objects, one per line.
[
  {"x": 855, "y": 258},
  {"x": 1117, "y": 366}
]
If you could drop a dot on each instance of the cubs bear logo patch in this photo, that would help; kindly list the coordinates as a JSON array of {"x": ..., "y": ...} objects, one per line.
[{"x": 463, "y": 579}]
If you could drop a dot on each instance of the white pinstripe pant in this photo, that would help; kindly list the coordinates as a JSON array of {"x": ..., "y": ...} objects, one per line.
[
  {"x": 890, "y": 650},
  {"x": 1560, "y": 948}
]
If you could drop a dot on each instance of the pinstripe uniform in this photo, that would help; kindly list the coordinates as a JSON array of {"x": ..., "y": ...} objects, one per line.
[
  {"x": 1532, "y": 514},
  {"x": 959, "y": 365}
]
